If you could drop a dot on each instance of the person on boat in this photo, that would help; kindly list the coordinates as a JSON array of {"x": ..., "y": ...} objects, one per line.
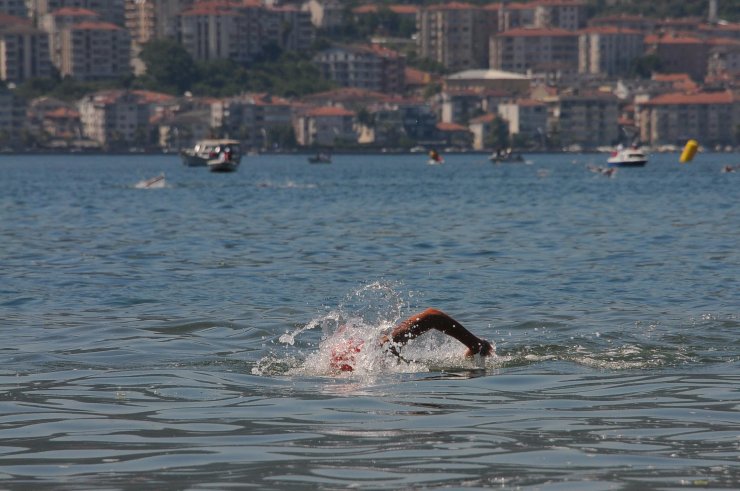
[
  {"x": 434, "y": 155},
  {"x": 343, "y": 354}
]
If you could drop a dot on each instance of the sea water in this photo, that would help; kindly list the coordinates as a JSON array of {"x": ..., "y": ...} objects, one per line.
[{"x": 179, "y": 338}]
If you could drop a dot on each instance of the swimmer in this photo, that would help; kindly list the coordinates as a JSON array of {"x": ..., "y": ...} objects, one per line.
[{"x": 343, "y": 355}]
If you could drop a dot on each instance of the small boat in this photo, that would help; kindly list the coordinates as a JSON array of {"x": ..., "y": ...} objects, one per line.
[
  {"x": 206, "y": 150},
  {"x": 505, "y": 156},
  {"x": 152, "y": 183},
  {"x": 627, "y": 157},
  {"x": 320, "y": 158}
]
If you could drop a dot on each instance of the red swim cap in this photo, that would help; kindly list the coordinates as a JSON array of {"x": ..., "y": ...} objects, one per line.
[{"x": 343, "y": 354}]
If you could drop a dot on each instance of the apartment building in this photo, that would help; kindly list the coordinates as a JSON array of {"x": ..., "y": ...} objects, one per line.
[
  {"x": 108, "y": 117},
  {"x": 54, "y": 23},
  {"x": 148, "y": 20},
  {"x": 109, "y": 10},
  {"x": 251, "y": 118},
  {"x": 724, "y": 58},
  {"x": 588, "y": 120},
  {"x": 289, "y": 28},
  {"x": 219, "y": 30},
  {"x": 709, "y": 117},
  {"x": 93, "y": 50},
  {"x": 24, "y": 50},
  {"x": 454, "y": 34},
  {"x": 16, "y": 8},
  {"x": 325, "y": 14},
  {"x": 526, "y": 118},
  {"x": 365, "y": 67},
  {"x": 609, "y": 51},
  {"x": 561, "y": 14},
  {"x": 679, "y": 54},
  {"x": 12, "y": 118},
  {"x": 119, "y": 117},
  {"x": 639, "y": 23},
  {"x": 324, "y": 126},
  {"x": 548, "y": 51}
]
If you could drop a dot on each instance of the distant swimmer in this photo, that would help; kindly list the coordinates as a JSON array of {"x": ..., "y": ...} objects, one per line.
[
  {"x": 343, "y": 354},
  {"x": 729, "y": 168}
]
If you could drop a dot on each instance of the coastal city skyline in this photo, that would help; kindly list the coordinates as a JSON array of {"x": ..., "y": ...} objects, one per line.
[{"x": 539, "y": 75}]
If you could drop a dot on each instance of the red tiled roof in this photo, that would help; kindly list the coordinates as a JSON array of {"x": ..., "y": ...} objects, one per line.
[
  {"x": 536, "y": 32},
  {"x": 452, "y": 6},
  {"x": 486, "y": 118},
  {"x": 74, "y": 12},
  {"x": 9, "y": 20},
  {"x": 96, "y": 26},
  {"x": 329, "y": 111},
  {"x": 724, "y": 97},
  {"x": 451, "y": 127},
  {"x": 150, "y": 96},
  {"x": 609, "y": 30},
  {"x": 398, "y": 9},
  {"x": 62, "y": 113},
  {"x": 417, "y": 77}
]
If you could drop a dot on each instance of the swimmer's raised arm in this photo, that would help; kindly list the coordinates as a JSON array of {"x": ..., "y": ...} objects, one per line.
[{"x": 418, "y": 324}]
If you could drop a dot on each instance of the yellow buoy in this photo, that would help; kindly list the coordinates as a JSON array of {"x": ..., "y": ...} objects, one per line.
[{"x": 689, "y": 151}]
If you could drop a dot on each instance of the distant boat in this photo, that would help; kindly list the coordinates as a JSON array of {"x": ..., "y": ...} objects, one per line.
[
  {"x": 152, "y": 183},
  {"x": 208, "y": 150},
  {"x": 320, "y": 158},
  {"x": 506, "y": 156},
  {"x": 627, "y": 157}
]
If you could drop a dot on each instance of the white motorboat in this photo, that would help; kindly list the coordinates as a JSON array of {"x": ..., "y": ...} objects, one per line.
[{"x": 627, "y": 157}]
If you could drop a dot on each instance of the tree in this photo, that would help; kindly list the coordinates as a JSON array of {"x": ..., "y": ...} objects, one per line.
[
  {"x": 645, "y": 66},
  {"x": 169, "y": 67}
]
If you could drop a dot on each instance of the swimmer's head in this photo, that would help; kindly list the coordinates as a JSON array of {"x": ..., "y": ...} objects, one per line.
[{"x": 343, "y": 354}]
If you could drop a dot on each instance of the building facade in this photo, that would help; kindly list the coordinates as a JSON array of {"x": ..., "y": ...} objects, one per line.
[
  {"x": 454, "y": 34},
  {"x": 709, "y": 117},
  {"x": 548, "y": 51},
  {"x": 95, "y": 51},
  {"x": 609, "y": 51},
  {"x": 363, "y": 67},
  {"x": 24, "y": 52}
]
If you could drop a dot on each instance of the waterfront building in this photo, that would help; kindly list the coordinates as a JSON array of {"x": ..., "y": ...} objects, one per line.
[
  {"x": 549, "y": 51},
  {"x": 609, "y": 51},
  {"x": 526, "y": 118},
  {"x": 588, "y": 120},
  {"x": 480, "y": 128},
  {"x": 119, "y": 118},
  {"x": 325, "y": 126},
  {"x": 12, "y": 118},
  {"x": 454, "y": 135},
  {"x": 708, "y": 117},
  {"x": 24, "y": 50},
  {"x": 365, "y": 67},
  {"x": 250, "y": 118},
  {"x": 95, "y": 51}
]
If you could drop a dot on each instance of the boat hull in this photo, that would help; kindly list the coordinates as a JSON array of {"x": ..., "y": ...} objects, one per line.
[
  {"x": 191, "y": 160},
  {"x": 632, "y": 163},
  {"x": 219, "y": 166}
]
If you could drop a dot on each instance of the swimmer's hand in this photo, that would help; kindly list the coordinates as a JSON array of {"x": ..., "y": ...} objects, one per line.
[{"x": 482, "y": 347}]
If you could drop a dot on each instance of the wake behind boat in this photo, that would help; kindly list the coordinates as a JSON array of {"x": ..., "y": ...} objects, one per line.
[{"x": 627, "y": 157}]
